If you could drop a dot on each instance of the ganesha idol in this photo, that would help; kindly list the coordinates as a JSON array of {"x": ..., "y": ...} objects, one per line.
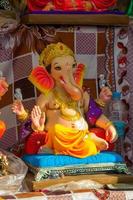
[
  {"x": 71, "y": 5},
  {"x": 64, "y": 114}
]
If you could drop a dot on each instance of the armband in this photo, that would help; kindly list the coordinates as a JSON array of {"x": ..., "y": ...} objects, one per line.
[
  {"x": 40, "y": 129},
  {"x": 100, "y": 102},
  {"x": 24, "y": 116}
]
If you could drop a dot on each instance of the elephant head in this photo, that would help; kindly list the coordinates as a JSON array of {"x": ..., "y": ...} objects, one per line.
[{"x": 60, "y": 71}]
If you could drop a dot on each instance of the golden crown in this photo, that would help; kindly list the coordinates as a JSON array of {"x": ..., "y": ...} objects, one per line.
[{"x": 53, "y": 51}]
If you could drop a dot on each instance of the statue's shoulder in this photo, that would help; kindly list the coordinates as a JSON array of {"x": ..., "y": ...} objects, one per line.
[
  {"x": 43, "y": 99},
  {"x": 86, "y": 95},
  {"x": 86, "y": 100}
]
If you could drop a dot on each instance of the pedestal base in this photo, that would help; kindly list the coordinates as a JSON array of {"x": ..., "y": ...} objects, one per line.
[{"x": 100, "y": 178}]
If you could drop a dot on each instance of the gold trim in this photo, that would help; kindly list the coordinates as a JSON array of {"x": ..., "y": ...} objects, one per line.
[
  {"x": 40, "y": 129},
  {"x": 3, "y": 164},
  {"x": 24, "y": 116},
  {"x": 53, "y": 51},
  {"x": 108, "y": 124},
  {"x": 69, "y": 117},
  {"x": 88, "y": 6},
  {"x": 100, "y": 102},
  {"x": 65, "y": 104},
  {"x": 74, "y": 4}
]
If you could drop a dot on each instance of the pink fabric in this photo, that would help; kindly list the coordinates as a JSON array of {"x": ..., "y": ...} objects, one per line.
[
  {"x": 101, "y": 5},
  {"x": 67, "y": 5},
  {"x": 37, "y": 4}
]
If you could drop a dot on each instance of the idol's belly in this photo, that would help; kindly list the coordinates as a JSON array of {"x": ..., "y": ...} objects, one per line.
[
  {"x": 68, "y": 118},
  {"x": 79, "y": 124}
]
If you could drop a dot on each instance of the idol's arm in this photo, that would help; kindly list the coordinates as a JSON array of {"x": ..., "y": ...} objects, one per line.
[{"x": 91, "y": 109}]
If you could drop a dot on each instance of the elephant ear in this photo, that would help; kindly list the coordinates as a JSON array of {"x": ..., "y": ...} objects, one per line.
[
  {"x": 41, "y": 79},
  {"x": 79, "y": 74}
]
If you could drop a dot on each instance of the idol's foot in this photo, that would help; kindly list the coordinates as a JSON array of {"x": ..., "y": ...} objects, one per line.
[{"x": 101, "y": 144}]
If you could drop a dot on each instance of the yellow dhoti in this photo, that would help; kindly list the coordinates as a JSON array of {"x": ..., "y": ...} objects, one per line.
[{"x": 73, "y": 142}]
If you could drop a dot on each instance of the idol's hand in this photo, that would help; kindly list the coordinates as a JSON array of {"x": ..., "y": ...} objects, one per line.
[
  {"x": 38, "y": 119},
  {"x": 18, "y": 108},
  {"x": 105, "y": 94},
  {"x": 111, "y": 134}
]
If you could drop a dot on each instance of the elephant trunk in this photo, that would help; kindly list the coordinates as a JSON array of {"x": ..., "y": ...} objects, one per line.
[
  {"x": 71, "y": 88},
  {"x": 73, "y": 91}
]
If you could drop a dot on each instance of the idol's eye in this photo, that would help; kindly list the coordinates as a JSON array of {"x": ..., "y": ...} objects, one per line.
[
  {"x": 74, "y": 65},
  {"x": 58, "y": 68}
]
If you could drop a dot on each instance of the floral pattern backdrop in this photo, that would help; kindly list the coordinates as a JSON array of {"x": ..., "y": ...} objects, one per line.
[
  {"x": 128, "y": 144},
  {"x": 104, "y": 50}
]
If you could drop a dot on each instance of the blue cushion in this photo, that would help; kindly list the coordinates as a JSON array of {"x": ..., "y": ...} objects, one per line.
[{"x": 50, "y": 160}]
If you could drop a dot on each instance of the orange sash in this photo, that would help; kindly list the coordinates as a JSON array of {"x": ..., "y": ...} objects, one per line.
[{"x": 73, "y": 142}]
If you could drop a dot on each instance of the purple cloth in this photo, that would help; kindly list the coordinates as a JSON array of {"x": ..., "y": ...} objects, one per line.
[
  {"x": 25, "y": 130},
  {"x": 93, "y": 112},
  {"x": 76, "y": 12}
]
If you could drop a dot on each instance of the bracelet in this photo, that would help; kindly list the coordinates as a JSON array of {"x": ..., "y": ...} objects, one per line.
[
  {"x": 100, "y": 102},
  {"x": 23, "y": 116},
  {"x": 40, "y": 129},
  {"x": 108, "y": 124}
]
